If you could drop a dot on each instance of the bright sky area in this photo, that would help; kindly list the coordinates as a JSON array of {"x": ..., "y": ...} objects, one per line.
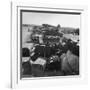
[{"x": 65, "y": 20}]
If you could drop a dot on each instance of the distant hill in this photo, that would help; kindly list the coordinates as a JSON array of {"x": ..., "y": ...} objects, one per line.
[
  {"x": 44, "y": 27},
  {"x": 67, "y": 30}
]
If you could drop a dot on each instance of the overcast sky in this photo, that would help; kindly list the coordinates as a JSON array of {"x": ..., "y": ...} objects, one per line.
[{"x": 65, "y": 20}]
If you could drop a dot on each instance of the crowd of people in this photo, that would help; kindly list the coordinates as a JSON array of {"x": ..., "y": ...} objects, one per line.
[{"x": 52, "y": 59}]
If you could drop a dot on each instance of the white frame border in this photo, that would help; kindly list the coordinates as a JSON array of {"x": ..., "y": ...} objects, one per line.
[{"x": 15, "y": 35}]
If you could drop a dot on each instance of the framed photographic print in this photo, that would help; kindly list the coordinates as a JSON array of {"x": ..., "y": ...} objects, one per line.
[{"x": 46, "y": 44}]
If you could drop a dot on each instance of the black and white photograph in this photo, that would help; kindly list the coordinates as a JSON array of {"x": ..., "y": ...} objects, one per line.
[{"x": 49, "y": 43}]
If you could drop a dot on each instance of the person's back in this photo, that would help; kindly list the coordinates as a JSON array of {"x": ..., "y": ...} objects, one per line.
[
  {"x": 73, "y": 60},
  {"x": 70, "y": 63}
]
